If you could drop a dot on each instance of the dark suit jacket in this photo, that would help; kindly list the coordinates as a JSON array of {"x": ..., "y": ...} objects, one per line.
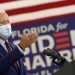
[{"x": 7, "y": 60}]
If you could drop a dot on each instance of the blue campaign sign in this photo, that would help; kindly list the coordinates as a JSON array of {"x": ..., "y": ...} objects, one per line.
[{"x": 57, "y": 34}]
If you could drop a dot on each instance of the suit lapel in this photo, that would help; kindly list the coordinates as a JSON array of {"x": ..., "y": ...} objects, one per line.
[
  {"x": 21, "y": 67},
  {"x": 2, "y": 51},
  {"x": 20, "y": 62}
]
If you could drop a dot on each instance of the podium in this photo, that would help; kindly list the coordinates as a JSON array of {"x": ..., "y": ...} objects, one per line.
[{"x": 67, "y": 69}]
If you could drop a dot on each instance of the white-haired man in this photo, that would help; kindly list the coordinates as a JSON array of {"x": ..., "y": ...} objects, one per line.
[{"x": 10, "y": 54}]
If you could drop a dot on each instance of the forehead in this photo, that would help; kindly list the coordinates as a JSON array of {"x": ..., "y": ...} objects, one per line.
[{"x": 3, "y": 16}]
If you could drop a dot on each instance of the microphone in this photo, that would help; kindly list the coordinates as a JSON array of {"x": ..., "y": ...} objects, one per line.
[{"x": 57, "y": 58}]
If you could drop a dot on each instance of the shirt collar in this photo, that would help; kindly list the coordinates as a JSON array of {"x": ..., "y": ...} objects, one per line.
[{"x": 2, "y": 41}]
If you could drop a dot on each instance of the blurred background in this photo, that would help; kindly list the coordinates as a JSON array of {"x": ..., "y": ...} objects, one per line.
[{"x": 53, "y": 20}]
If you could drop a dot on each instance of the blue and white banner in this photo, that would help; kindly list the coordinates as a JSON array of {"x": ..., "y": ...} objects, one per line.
[{"x": 57, "y": 34}]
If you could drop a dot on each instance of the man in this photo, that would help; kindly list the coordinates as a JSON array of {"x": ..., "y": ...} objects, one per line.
[{"x": 10, "y": 54}]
